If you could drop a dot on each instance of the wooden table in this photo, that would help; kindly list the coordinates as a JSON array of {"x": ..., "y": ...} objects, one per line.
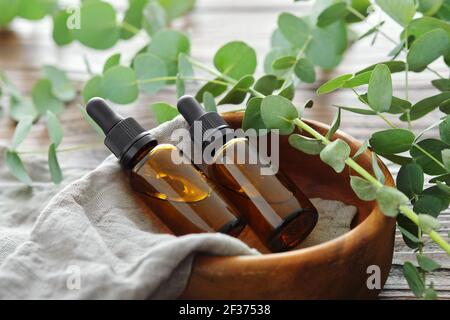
[{"x": 214, "y": 22}]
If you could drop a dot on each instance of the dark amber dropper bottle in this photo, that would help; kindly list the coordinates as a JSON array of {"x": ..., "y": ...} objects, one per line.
[
  {"x": 170, "y": 185},
  {"x": 278, "y": 212}
]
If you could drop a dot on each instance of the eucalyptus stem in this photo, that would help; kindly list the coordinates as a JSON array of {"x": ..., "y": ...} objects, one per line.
[
  {"x": 429, "y": 155},
  {"x": 59, "y": 150},
  {"x": 129, "y": 27},
  {"x": 173, "y": 78},
  {"x": 408, "y": 212}
]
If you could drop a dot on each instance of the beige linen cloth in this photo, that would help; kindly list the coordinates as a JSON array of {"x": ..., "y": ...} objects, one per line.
[{"x": 90, "y": 239}]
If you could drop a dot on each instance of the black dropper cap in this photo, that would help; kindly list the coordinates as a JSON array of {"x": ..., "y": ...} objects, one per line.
[
  {"x": 123, "y": 136},
  {"x": 192, "y": 111}
]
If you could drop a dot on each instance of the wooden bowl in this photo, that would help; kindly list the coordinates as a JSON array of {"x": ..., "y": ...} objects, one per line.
[{"x": 336, "y": 269}]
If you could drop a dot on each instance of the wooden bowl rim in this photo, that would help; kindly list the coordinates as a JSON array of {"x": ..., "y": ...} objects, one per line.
[{"x": 372, "y": 224}]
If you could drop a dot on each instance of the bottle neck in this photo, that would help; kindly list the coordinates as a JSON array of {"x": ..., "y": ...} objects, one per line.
[{"x": 139, "y": 149}]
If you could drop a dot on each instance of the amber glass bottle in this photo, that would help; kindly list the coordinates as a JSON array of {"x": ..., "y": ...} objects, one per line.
[
  {"x": 175, "y": 191},
  {"x": 278, "y": 212}
]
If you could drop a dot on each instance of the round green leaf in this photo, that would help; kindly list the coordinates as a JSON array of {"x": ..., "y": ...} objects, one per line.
[
  {"x": 235, "y": 59},
  {"x": 267, "y": 84},
  {"x": 8, "y": 10},
  {"x": 444, "y": 130},
  {"x": 55, "y": 130},
  {"x": 21, "y": 107},
  {"x": 277, "y": 113},
  {"x": 273, "y": 55},
  {"x": 99, "y": 29},
  {"x": 360, "y": 6},
  {"x": 446, "y": 158},
  {"x": 252, "y": 117},
  {"x": 176, "y": 8},
  {"x": 305, "y": 144},
  {"x": 133, "y": 17},
  {"x": 15, "y": 166},
  {"x": 53, "y": 165},
  {"x": 402, "y": 11},
  {"x": 332, "y": 14},
  {"x": 304, "y": 70},
  {"x": 119, "y": 85},
  {"x": 441, "y": 84},
  {"x": 149, "y": 67},
  {"x": 335, "y": 154},
  {"x": 428, "y": 204},
  {"x": 93, "y": 88},
  {"x": 410, "y": 180},
  {"x": 112, "y": 61},
  {"x": 427, "y": 48},
  {"x": 44, "y": 99},
  {"x": 363, "y": 188},
  {"x": 380, "y": 89},
  {"x": 358, "y": 80},
  {"x": 185, "y": 68},
  {"x": 392, "y": 141},
  {"x": 167, "y": 45},
  {"x": 164, "y": 112},
  {"x": 390, "y": 199},
  {"x": 429, "y": 7},
  {"x": 154, "y": 18},
  {"x": 394, "y": 67},
  {"x": 433, "y": 147},
  {"x": 62, "y": 87},
  {"x": 294, "y": 29},
  {"x": 284, "y": 63},
  {"x": 426, "y": 263},
  {"x": 36, "y": 9},
  {"x": 239, "y": 91},
  {"x": 62, "y": 35},
  {"x": 216, "y": 89}
]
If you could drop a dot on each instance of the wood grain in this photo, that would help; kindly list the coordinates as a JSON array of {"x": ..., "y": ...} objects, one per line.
[{"x": 28, "y": 46}]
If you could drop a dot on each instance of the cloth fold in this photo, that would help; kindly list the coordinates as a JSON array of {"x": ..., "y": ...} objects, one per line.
[{"x": 96, "y": 240}]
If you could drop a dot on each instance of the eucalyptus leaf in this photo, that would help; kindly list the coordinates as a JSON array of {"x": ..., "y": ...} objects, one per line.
[
  {"x": 252, "y": 117},
  {"x": 304, "y": 70},
  {"x": 119, "y": 85},
  {"x": 429, "y": 7},
  {"x": 15, "y": 166},
  {"x": 216, "y": 89},
  {"x": 376, "y": 169},
  {"x": 238, "y": 93},
  {"x": 284, "y": 63},
  {"x": 133, "y": 17},
  {"x": 446, "y": 158},
  {"x": 93, "y": 88},
  {"x": 43, "y": 98},
  {"x": 55, "y": 130},
  {"x": 62, "y": 87},
  {"x": 427, "y": 49},
  {"x": 154, "y": 17},
  {"x": 394, "y": 67},
  {"x": 358, "y": 80},
  {"x": 410, "y": 180},
  {"x": 361, "y": 150},
  {"x": 444, "y": 130},
  {"x": 409, "y": 231},
  {"x": 62, "y": 35},
  {"x": 363, "y": 188},
  {"x": 306, "y": 145},
  {"x": 21, "y": 131},
  {"x": 21, "y": 107},
  {"x": 380, "y": 89},
  {"x": 176, "y": 8},
  {"x": 392, "y": 141},
  {"x": 434, "y": 148},
  {"x": 425, "y": 106},
  {"x": 267, "y": 84},
  {"x": 296, "y": 30},
  {"x": 36, "y": 9},
  {"x": 8, "y": 11},
  {"x": 53, "y": 165},
  {"x": 335, "y": 154},
  {"x": 209, "y": 102},
  {"x": 149, "y": 68},
  {"x": 335, "y": 124},
  {"x": 99, "y": 26},
  {"x": 288, "y": 92},
  {"x": 277, "y": 113},
  {"x": 414, "y": 279},
  {"x": 437, "y": 193},
  {"x": 441, "y": 84},
  {"x": 402, "y": 11},
  {"x": 444, "y": 106},
  {"x": 168, "y": 45},
  {"x": 184, "y": 66},
  {"x": 357, "y": 110},
  {"x": 390, "y": 199},
  {"x": 163, "y": 111},
  {"x": 428, "y": 204},
  {"x": 112, "y": 61},
  {"x": 332, "y": 14},
  {"x": 426, "y": 263},
  {"x": 235, "y": 59},
  {"x": 334, "y": 84}
]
